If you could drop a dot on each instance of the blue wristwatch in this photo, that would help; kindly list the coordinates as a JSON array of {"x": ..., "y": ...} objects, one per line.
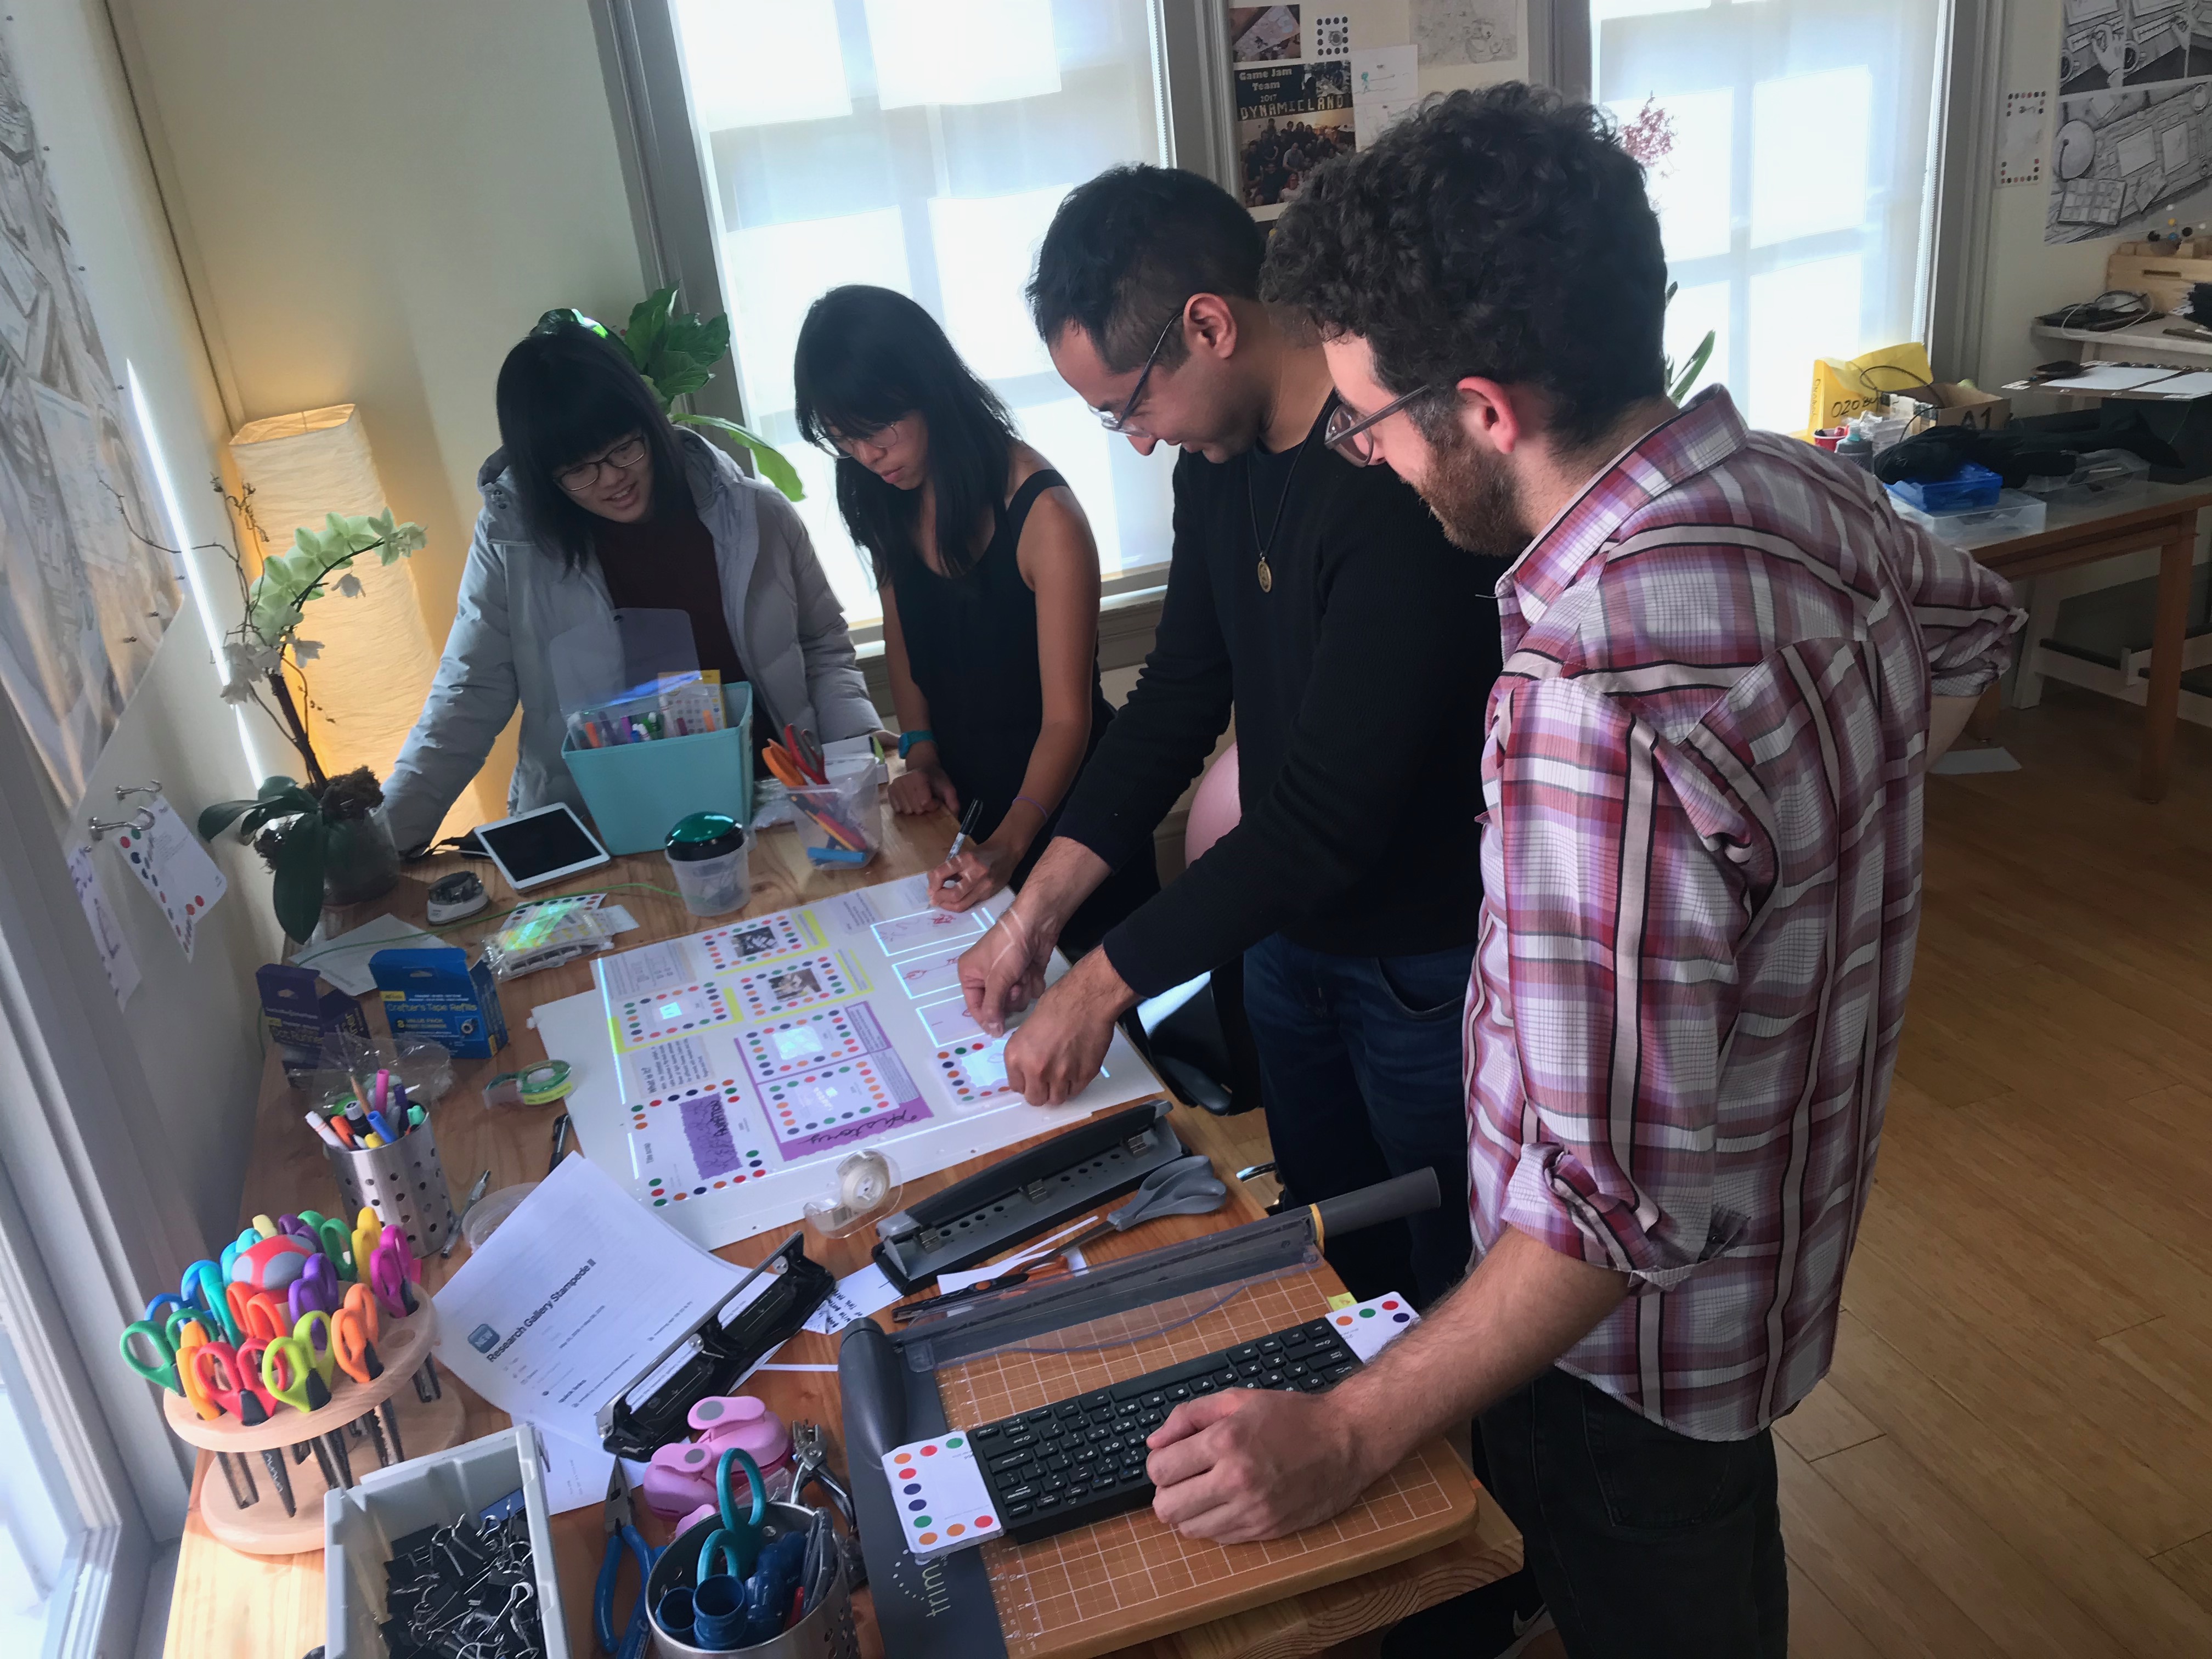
[{"x": 915, "y": 739}]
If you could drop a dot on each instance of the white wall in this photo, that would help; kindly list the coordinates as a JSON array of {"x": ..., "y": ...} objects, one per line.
[
  {"x": 2025, "y": 276},
  {"x": 193, "y": 1027},
  {"x": 376, "y": 202}
]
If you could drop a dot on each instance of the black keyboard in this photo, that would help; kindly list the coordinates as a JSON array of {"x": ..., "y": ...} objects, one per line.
[{"x": 1077, "y": 1460}]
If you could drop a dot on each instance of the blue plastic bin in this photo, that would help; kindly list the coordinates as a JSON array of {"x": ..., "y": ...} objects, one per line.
[
  {"x": 636, "y": 791},
  {"x": 1971, "y": 486}
]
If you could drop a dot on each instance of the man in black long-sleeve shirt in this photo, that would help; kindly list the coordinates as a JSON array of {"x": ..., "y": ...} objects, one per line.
[{"x": 1319, "y": 602}]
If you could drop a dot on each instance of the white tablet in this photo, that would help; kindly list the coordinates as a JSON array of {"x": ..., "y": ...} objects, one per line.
[{"x": 541, "y": 847}]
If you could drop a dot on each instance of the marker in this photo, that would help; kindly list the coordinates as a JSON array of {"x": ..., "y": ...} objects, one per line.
[{"x": 324, "y": 1130}]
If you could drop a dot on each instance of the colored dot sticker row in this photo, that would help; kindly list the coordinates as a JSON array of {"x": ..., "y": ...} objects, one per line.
[{"x": 662, "y": 1194}]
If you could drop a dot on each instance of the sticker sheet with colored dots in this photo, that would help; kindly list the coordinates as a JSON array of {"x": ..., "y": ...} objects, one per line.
[
  {"x": 746, "y": 1054},
  {"x": 942, "y": 1500},
  {"x": 826, "y": 976},
  {"x": 640, "y": 1020}
]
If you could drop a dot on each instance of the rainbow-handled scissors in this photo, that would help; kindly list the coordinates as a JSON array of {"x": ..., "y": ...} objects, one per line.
[
  {"x": 335, "y": 1240},
  {"x": 182, "y": 1321},
  {"x": 390, "y": 1274},
  {"x": 366, "y": 1230},
  {"x": 288, "y": 1374},
  {"x": 204, "y": 1287},
  {"x": 222, "y": 1373},
  {"x": 314, "y": 1330},
  {"x": 196, "y": 1338},
  {"x": 268, "y": 1317},
  {"x": 162, "y": 1368},
  {"x": 317, "y": 1287}
]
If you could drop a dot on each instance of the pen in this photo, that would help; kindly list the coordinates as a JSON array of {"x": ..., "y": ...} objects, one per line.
[
  {"x": 969, "y": 820},
  {"x": 315, "y": 1122}
]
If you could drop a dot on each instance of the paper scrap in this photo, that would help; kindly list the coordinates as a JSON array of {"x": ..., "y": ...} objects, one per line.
[
  {"x": 576, "y": 1293},
  {"x": 576, "y": 1471},
  {"x": 947, "y": 1283},
  {"x": 1342, "y": 1299},
  {"x": 2020, "y": 122},
  {"x": 169, "y": 861},
  {"x": 122, "y": 967},
  {"x": 1385, "y": 85},
  {"x": 2197, "y": 383},
  {"x": 857, "y": 1296},
  {"x": 344, "y": 960},
  {"x": 2109, "y": 377}
]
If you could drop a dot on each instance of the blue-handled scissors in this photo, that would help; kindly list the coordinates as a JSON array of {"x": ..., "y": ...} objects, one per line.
[
  {"x": 737, "y": 1541},
  {"x": 623, "y": 1538},
  {"x": 204, "y": 1287}
]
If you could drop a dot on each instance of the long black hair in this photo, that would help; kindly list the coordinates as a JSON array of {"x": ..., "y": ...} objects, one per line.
[
  {"x": 565, "y": 392},
  {"x": 868, "y": 357}
]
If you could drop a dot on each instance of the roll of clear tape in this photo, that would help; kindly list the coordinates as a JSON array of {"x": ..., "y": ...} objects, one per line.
[{"x": 865, "y": 1185}]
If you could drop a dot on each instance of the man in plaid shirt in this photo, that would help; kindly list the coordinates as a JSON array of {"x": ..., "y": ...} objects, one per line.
[{"x": 1728, "y": 665}]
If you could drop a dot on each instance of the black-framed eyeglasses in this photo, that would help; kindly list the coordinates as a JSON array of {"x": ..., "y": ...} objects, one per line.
[
  {"x": 1351, "y": 435},
  {"x": 1114, "y": 422},
  {"x": 585, "y": 474}
]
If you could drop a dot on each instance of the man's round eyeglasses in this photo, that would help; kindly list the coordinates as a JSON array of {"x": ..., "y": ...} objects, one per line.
[
  {"x": 1352, "y": 435},
  {"x": 586, "y": 474},
  {"x": 1119, "y": 422}
]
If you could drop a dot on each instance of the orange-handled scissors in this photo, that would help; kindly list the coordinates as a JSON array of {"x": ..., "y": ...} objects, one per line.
[
  {"x": 361, "y": 1302},
  {"x": 267, "y": 1316},
  {"x": 193, "y": 1337},
  {"x": 354, "y": 1348}
]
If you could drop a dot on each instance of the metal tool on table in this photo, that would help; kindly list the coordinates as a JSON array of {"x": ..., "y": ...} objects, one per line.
[
  {"x": 811, "y": 1467},
  {"x": 1018, "y": 1198},
  {"x": 467, "y": 1204},
  {"x": 888, "y": 1385},
  {"x": 1186, "y": 1186},
  {"x": 561, "y": 1127},
  {"x": 623, "y": 1538}
]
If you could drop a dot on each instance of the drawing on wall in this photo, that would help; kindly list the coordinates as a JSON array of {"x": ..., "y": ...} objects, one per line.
[
  {"x": 2130, "y": 146},
  {"x": 1262, "y": 34},
  {"x": 2106, "y": 44},
  {"x": 1289, "y": 118},
  {"x": 1467, "y": 31},
  {"x": 84, "y": 599},
  {"x": 2123, "y": 162}
]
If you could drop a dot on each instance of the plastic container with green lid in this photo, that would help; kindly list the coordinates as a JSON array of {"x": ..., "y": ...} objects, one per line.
[{"x": 707, "y": 852}]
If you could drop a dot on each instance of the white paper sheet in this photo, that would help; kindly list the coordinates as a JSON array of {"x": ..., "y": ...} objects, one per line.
[
  {"x": 576, "y": 1471},
  {"x": 344, "y": 960},
  {"x": 947, "y": 1283},
  {"x": 2109, "y": 377},
  {"x": 114, "y": 950},
  {"x": 857, "y": 1296},
  {"x": 2197, "y": 383},
  {"x": 171, "y": 864},
  {"x": 575, "y": 1293}
]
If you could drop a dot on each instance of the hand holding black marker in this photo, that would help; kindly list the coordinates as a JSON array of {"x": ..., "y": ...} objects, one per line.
[{"x": 969, "y": 820}]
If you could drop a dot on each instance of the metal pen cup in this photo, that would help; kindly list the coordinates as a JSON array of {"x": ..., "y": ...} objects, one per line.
[
  {"x": 824, "y": 1631},
  {"x": 403, "y": 1184}
]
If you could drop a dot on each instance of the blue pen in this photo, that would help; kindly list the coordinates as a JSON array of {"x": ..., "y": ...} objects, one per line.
[{"x": 382, "y": 1124}]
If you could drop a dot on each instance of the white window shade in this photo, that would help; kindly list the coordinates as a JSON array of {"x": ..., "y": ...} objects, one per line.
[
  {"x": 954, "y": 131},
  {"x": 1795, "y": 199}
]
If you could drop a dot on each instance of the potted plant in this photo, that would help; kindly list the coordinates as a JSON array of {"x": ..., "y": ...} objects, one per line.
[
  {"x": 323, "y": 839},
  {"x": 677, "y": 351}
]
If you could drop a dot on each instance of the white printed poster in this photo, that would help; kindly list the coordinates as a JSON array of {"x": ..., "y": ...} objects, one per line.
[
  {"x": 2132, "y": 144},
  {"x": 742, "y": 1062}
]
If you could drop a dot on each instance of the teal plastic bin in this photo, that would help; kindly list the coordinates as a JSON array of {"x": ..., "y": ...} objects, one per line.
[{"x": 636, "y": 791}]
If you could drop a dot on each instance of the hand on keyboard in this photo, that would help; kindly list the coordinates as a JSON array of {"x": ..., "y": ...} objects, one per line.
[{"x": 1252, "y": 1463}]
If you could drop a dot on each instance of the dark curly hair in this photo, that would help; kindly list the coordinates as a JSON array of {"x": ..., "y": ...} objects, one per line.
[
  {"x": 1501, "y": 233},
  {"x": 1129, "y": 248}
]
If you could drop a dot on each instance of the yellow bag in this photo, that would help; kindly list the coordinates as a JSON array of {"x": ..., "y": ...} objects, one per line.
[{"x": 1841, "y": 390}]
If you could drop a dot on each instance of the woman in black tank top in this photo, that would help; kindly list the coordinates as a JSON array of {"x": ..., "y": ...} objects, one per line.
[{"x": 990, "y": 581}]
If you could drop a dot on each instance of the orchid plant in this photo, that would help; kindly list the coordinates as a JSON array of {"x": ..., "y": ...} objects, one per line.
[
  {"x": 320, "y": 838},
  {"x": 265, "y": 648}
]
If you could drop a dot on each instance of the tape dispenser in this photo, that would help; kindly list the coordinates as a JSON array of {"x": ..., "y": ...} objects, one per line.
[{"x": 865, "y": 1187}]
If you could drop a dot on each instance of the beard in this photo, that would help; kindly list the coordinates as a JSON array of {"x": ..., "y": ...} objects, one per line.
[{"x": 1476, "y": 497}]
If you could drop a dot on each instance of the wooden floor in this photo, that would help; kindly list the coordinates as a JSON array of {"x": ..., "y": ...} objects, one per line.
[{"x": 2012, "y": 1453}]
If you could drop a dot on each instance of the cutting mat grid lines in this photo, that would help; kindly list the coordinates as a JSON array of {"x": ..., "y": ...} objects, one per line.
[{"x": 1131, "y": 1568}]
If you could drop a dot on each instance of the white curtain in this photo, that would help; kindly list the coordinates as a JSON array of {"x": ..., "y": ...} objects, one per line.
[
  {"x": 921, "y": 145},
  {"x": 1796, "y": 202}
]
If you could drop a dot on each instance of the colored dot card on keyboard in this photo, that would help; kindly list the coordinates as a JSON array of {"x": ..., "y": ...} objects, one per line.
[
  {"x": 1368, "y": 1327},
  {"x": 941, "y": 1497}
]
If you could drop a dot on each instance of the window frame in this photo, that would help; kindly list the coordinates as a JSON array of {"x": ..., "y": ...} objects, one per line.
[
  {"x": 1968, "y": 70},
  {"x": 670, "y": 194}
]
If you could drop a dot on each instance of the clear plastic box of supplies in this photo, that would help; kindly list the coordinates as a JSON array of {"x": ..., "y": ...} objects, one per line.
[{"x": 2016, "y": 513}]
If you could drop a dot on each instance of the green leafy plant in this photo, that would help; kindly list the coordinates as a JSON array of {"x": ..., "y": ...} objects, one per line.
[
  {"x": 297, "y": 831},
  {"x": 676, "y": 352},
  {"x": 1678, "y": 385},
  {"x": 321, "y": 838}
]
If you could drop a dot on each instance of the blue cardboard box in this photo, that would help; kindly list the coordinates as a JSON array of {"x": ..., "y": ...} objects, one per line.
[
  {"x": 300, "y": 1019},
  {"x": 433, "y": 992}
]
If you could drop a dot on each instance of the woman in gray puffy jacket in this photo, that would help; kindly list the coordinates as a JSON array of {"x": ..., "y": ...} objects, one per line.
[{"x": 596, "y": 503}]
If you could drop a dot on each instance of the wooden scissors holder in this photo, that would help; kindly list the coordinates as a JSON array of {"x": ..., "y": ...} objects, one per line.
[
  {"x": 263, "y": 1528},
  {"x": 404, "y": 1183}
]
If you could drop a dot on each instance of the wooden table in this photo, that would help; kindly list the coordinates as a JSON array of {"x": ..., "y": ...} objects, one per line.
[
  {"x": 228, "y": 1606},
  {"x": 2163, "y": 516}
]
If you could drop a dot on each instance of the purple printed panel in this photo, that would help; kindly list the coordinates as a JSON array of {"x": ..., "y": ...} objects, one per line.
[
  {"x": 905, "y": 1106},
  {"x": 706, "y": 1131}
]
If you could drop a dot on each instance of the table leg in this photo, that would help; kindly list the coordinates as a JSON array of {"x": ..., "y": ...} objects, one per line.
[
  {"x": 1982, "y": 724},
  {"x": 2162, "y": 705}
]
